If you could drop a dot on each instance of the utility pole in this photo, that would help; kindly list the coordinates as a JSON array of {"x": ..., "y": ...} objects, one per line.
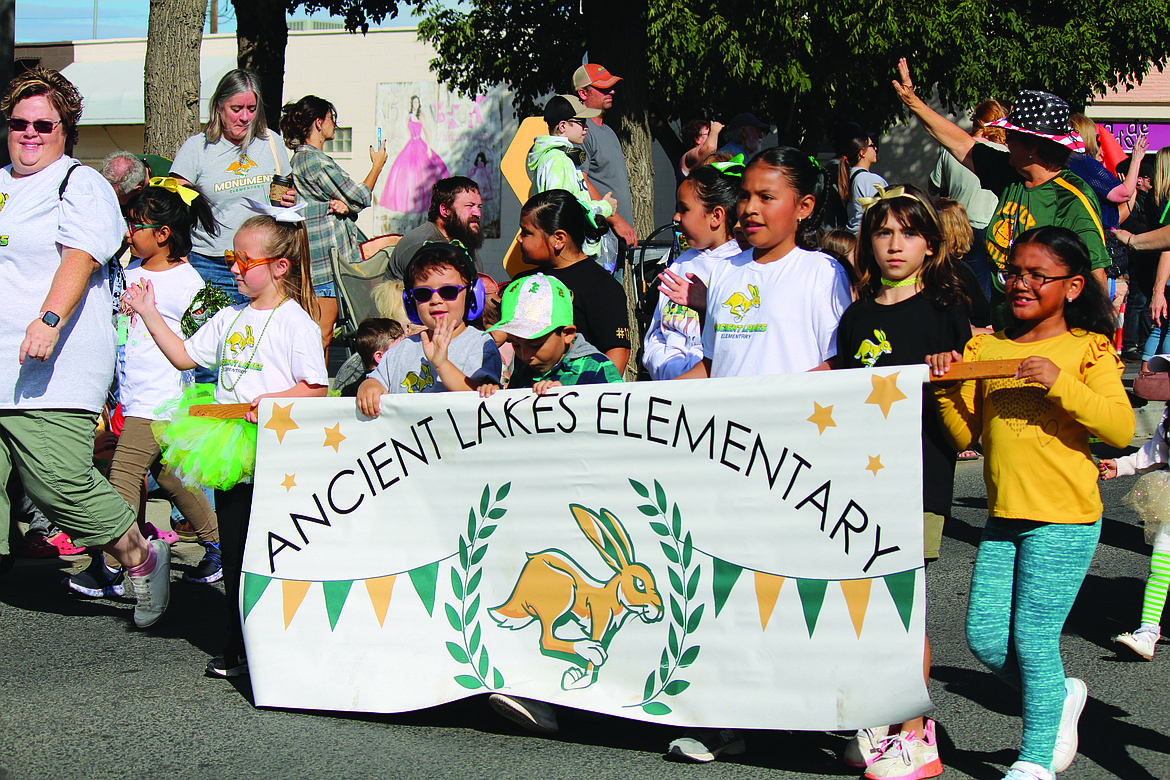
[
  {"x": 7, "y": 65},
  {"x": 213, "y": 12}
]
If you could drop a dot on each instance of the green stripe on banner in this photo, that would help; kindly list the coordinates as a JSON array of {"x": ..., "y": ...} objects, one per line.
[
  {"x": 901, "y": 587},
  {"x": 723, "y": 580},
  {"x": 424, "y": 579},
  {"x": 336, "y": 592},
  {"x": 254, "y": 586},
  {"x": 812, "y": 597}
]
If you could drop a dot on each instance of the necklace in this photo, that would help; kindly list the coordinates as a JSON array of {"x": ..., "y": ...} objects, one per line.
[
  {"x": 903, "y": 283},
  {"x": 255, "y": 347}
]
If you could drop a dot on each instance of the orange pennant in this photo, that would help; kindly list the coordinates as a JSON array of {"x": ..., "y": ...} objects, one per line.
[
  {"x": 857, "y": 600},
  {"x": 294, "y": 593},
  {"x": 767, "y": 591},
  {"x": 380, "y": 589}
]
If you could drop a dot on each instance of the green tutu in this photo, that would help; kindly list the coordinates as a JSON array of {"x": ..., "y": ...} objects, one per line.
[{"x": 205, "y": 451}]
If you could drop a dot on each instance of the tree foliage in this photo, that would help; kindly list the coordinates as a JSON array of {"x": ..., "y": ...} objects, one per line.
[{"x": 805, "y": 64}]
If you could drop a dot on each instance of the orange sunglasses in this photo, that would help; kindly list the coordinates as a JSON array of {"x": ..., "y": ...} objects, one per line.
[{"x": 244, "y": 262}]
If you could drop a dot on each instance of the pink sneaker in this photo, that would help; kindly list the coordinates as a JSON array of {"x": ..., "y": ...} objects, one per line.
[{"x": 908, "y": 757}]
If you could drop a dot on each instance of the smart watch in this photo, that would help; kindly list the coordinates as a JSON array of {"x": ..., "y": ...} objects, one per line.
[{"x": 50, "y": 319}]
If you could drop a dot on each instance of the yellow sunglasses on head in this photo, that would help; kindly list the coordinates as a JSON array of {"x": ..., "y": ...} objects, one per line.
[{"x": 244, "y": 262}]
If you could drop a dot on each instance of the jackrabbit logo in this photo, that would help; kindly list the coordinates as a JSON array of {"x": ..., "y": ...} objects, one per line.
[
  {"x": 739, "y": 304},
  {"x": 557, "y": 591}
]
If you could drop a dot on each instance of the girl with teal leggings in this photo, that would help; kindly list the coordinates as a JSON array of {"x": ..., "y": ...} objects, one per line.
[{"x": 1043, "y": 504}]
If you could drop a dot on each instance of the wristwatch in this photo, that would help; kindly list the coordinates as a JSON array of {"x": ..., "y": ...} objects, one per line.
[{"x": 50, "y": 319}]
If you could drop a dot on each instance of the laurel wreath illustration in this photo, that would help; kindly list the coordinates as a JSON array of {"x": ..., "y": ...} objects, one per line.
[
  {"x": 684, "y": 584},
  {"x": 465, "y": 577}
]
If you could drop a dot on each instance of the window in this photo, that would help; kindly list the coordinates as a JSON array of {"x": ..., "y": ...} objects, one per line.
[{"x": 342, "y": 142}]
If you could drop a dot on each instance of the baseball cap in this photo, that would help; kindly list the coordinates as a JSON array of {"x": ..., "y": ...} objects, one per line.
[
  {"x": 535, "y": 306},
  {"x": 592, "y": 73},
  {"x": 563, "y": 107}
]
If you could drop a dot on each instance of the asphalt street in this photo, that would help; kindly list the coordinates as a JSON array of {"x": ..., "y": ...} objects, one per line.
[{"x": 83, "y": 694}]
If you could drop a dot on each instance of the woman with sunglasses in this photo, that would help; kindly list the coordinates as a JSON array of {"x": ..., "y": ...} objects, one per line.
[
  {"x": 233, "y": 159},
  {"x": 856, "y": 152},
  {"x": 59, "y": 223},
  {"x": 1035, "y": 189},
  {"x": 554, "y": 161}
]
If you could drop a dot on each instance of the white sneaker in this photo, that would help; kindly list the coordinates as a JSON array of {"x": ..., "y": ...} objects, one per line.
[
  {"x": 154, "y": 590},
  {"x": 1026, "y": 770},
  {"x": 533, "y": 715},
  {"x": 1141, "y": 642},
  {"x": 908, "y": 757},
  {"x": 865, "y": 747},
  {"x": 703, "y": 745},
  {"x": 1075, "y": 696}
]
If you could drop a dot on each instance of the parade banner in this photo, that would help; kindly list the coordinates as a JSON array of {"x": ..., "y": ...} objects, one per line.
[{"x": 729, "y": 552}]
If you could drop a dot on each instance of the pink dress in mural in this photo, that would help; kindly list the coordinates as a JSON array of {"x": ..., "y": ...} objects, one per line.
[{"x": 414, "y": 172}]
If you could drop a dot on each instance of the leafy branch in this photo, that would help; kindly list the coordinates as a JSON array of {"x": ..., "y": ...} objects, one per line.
[
  {"x": 684, "y": 584},
  {"x": 465, "y": 577}
]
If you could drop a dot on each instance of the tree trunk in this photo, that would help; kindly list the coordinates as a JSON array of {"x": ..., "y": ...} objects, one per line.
[
  {"x": 261, "y": 36},
  {"x": 171, "y": 81},
  {"x": 615, "y": 36}
]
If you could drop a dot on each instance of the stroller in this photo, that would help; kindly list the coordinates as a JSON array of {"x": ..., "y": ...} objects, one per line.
[{"x": 355, "y": 283}]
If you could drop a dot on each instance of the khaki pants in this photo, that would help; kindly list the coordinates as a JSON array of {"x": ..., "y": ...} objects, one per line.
[
  {"x": 137, "y": 452},
  {"x": 52, "y": 451}
]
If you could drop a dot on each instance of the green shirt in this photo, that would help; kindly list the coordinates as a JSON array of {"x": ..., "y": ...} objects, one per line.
[{"x": 581, "y": 365}]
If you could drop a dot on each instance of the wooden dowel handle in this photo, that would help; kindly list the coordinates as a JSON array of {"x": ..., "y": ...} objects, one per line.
[
  {"x": 980, "y": 369},
  {"x": 219, "y": 411}
]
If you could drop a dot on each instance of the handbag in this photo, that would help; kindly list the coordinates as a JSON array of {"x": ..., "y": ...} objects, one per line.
[{"x": 1152, "y": 385}]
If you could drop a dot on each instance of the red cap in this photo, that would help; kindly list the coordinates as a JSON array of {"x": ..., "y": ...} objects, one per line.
[{"x": 592, "y": 73}]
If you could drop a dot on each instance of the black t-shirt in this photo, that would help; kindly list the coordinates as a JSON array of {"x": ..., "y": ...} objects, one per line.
[
  {"x": 599, "y": 303},
  {"x": 903, "y": 334}
]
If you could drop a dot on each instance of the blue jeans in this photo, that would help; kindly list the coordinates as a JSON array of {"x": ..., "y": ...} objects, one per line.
[
  {"x": 976, "y": 258},
  {"x": 216, "y": 272},
  {"x": 1158, "y": 343}
]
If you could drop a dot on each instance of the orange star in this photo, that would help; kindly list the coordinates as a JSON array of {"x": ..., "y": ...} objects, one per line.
[
  {"x": 823, "y": 417},
  {"x": 290, "y": 482},
  {"x": 333, "y": 437},
  {"x": 281, "y": 421},
  {"x": 875, "y": 464},
  {"x": 885, "y": 392}
]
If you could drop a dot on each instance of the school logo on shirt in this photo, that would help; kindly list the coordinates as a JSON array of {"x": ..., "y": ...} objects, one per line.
[
  {"x": 3, "y": 200},
  {"x": 241, "y": 166},
  {"x": 239, "y": 341},
  {"x": 869, "y": 351},
  {"x": 681, "y": 319},
  {"x": 739, "y": 304},
  {"x": 1013, "y": 220},
  {"x": 419, "y": 382}
]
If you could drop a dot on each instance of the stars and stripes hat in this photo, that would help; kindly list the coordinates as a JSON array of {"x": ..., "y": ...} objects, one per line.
[{"x": 1041, "y": 114}]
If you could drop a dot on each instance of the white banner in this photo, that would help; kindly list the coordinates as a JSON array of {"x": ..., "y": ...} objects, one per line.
[{"x": 732, "y": 553}]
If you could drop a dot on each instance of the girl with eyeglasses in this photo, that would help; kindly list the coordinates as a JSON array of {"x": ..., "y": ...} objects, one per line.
[
  {"x": 1043, "y": 503},
  {"x": 856, "y": 152},
  {"x": 269, "y": 347},
  {"x": 159, "y": 234}
]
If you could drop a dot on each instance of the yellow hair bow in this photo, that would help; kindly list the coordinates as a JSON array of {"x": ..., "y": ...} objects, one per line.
[
  {"x": 884, "y": 194},
  {"x": 171, "y": 184}
]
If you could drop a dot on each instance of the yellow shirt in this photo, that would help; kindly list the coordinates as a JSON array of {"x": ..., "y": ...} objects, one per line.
[{"x": 1035, "y": 441}]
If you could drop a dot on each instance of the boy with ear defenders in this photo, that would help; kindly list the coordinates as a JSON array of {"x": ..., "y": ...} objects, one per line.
[{"x": 442, "y": 293}]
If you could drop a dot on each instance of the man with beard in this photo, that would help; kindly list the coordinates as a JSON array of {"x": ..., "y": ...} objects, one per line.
[{"x": 454, "y": 216}]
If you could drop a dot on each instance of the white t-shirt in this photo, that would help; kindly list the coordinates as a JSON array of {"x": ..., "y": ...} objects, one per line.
[
  {"x": 258, "y": 351},
  {"x": 774, "y": 318},
  {"x": 674, "y": 341},
  {"x": 405, "y": 368},
  {"x": 148, "y": 378},
  {"x": 35, "y": 223},
  {"x": 865, "y": 185},
  {"x": 226, "y": 177}
]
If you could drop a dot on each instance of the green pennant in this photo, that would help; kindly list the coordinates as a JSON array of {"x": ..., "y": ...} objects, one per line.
[
  {"x": 901, "y": 587},
  {"x": 723, "y": 580},
  {"x": 254, "y": 586},
  {"x": 812, "y": 597},
  {"x": 424, "y": 579},
  {"x": 336, "y": 592}
]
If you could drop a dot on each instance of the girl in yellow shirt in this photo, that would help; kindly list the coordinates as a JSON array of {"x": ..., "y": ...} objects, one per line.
[{"x": 1042, "y": 494}]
